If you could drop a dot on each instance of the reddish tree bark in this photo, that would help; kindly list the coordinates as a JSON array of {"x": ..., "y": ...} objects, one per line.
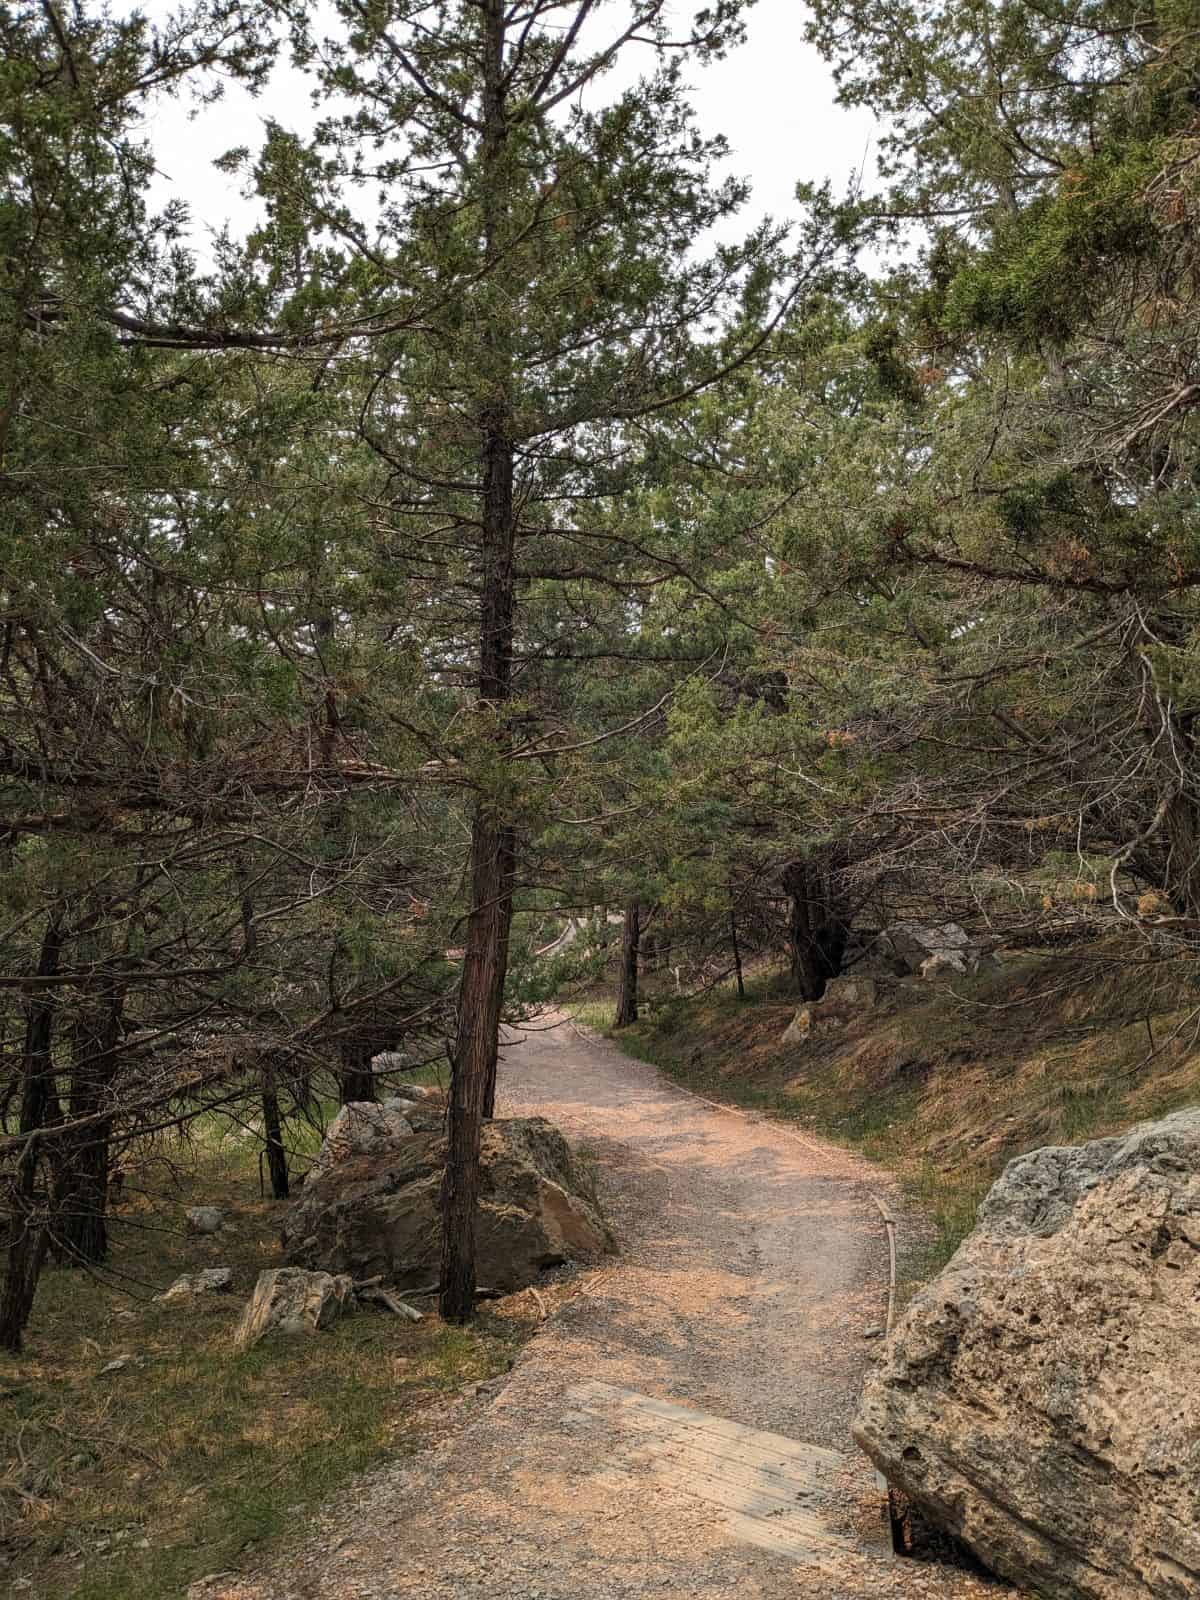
[
  {"x": 485, "y": 958},
  {"x": 627, "y": 995}
]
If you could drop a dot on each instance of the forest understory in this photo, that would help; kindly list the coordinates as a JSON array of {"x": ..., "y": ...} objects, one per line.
[{"x": 140, "y": 1451}]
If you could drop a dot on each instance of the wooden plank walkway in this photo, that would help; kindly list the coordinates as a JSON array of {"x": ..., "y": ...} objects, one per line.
[{"x": 771, "y": 1491}]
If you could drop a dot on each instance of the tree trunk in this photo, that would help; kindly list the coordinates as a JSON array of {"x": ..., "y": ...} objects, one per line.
[
  {"x": 476, "y": 1047},
  {"x": 80, "y": 1228},
  {"x": 27, "y": 1230},
  {"x": 737, "y": 955},
  {"x": 506, "y": 863},
  {"x": 493, "y": 844},
  {"x": 817, "y": 929},
  {"x": 356, "y": 1076},
  {"x": 627, "y": 997},
  {"x": 300, "y": 1088},
  {"x": 1182, "y": 870},
  {"x": 277, "y": 1164}
]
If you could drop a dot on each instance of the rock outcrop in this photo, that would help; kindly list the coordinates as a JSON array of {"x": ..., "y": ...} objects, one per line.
[
  {"x": 287, "y": 1300},
  {"x": 843, "y": 1000},
  {"x": 1041, "y": 1397},
  {"x": 910, "y": 948},
  {"x": 373, "y": 1209}
]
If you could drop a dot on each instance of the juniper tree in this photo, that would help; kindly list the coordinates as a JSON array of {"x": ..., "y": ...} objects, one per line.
[{"x": 1038, "y": 495}]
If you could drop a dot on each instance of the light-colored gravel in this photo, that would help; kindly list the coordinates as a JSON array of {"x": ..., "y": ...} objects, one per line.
[{"x": 752, "y": 1265}]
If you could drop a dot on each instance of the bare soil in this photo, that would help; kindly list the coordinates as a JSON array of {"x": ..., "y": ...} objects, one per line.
[{"x": 753, "y": 1265}]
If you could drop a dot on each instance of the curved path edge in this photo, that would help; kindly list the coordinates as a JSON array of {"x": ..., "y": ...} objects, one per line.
[{"x": 726, "y": 1342}]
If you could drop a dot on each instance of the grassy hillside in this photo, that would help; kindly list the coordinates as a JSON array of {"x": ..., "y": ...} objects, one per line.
[{"x": 945, "y": 1082}]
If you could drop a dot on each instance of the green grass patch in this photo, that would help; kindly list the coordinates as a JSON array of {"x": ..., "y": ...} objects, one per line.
[{"x": 128, "y": 1485}]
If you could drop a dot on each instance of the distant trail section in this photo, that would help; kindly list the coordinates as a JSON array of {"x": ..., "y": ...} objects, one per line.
[
  {"x": 681, "y": 1425},
  {"x": 751, "y": 1264}
]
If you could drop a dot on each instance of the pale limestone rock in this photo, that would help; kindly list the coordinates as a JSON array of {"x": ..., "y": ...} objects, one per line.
[
  {"x": 910, "y": 945},
  {"x": 408, "y": 1109},
  {"x": 944, "y": 962},
  {"x": 849, "y": 994},
  {"x": 193, "y": 1283},
  {"x": 205, "y": 1219},
  {"x": 416, "y": 1053},
  {"x": 289, "y": 1300},
  {"x": 360, "y": 1128},
  {"x": 1041, "y": 1397},
  {"x": 799, "y": 1028},
  {"x": 842, "y": 1000}
]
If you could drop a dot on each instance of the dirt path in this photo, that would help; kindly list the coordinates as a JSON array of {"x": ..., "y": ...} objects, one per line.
[{"x": 752, "y": 1267}]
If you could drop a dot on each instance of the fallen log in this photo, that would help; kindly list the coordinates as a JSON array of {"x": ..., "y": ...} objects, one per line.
[{"x": 382, "y": 1297}]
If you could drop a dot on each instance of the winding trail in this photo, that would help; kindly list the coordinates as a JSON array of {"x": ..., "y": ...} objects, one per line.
[{"x": 752, "y": 1267}]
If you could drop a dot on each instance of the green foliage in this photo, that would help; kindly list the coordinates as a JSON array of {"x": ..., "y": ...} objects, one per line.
[
  {"x": 844, "y": 576},
  {"x": 1047, "y": 267}
]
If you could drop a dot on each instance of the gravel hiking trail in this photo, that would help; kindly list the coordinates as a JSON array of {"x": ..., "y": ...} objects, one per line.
[{"x": 753, "y": 1266}]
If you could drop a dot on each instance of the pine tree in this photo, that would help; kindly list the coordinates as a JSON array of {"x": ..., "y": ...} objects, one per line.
[{"x": 537, "y": 248}]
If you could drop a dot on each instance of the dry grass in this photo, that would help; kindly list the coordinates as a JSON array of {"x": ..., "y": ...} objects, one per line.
[
  {"x": 944, "y": 1085},
  {"x": 126, "y": 1485}
]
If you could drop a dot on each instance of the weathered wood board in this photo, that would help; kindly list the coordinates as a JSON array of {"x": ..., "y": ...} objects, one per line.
[{"x": 772, "y": 1491}]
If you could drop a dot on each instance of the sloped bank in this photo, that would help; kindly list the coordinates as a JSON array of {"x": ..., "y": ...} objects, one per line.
[{"x": 946, "y": 1081}]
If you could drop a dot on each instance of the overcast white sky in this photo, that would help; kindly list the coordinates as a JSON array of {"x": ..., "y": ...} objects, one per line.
[{"x": 773, "y": 100}]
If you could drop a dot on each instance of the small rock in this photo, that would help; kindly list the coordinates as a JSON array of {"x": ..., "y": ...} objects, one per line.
[
  {"x": 944, "y": 961},
  {"x": 914, "y": 948},
  {"x": 404, "y": 1107},
  {"x": 192, "y": 1283},
  {"x": 850, "y": 994},
  {"x": 205, "y": 1219},
  {"x": 873, "y": 1333},
  {"x": 203, "y": 1588},
  {"x": 289, "y": 1300},
  {"x": 418, "y": 1053},
  {"x": 800, "y": 1027}
]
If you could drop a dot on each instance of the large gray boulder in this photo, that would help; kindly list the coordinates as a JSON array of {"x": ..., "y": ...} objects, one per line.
[
  {"x": 375, "y": 1210},
  {"x": 1041, "y": 1398}
]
